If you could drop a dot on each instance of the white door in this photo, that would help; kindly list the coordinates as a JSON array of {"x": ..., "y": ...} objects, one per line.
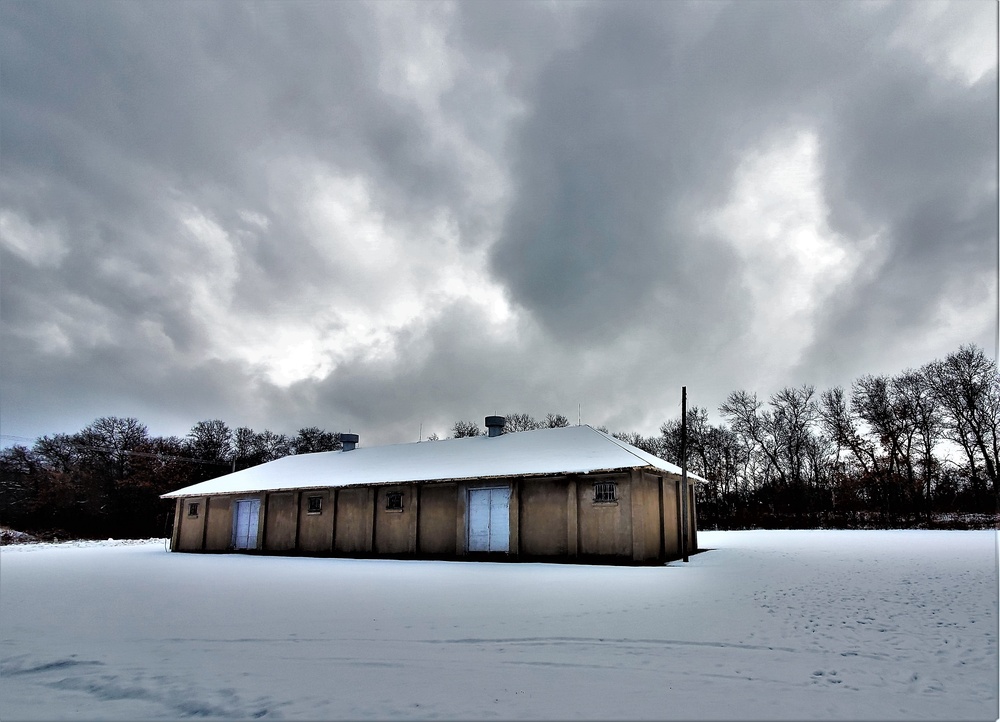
[
  {"x": 245, "y": 524},
  {"x": 489, "y": 519}
]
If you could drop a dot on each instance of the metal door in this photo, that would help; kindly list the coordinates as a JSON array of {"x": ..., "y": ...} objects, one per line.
[
  {"x": 489, "y": 519},
  {"x": 245, "y": 524}
]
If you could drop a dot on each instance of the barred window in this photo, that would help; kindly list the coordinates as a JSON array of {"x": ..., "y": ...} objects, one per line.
[
  {"x": 315, "y": 505},
  {"x": 394, "y": 501},
  {"x": 193, "y": 509},
  {"x": 605, "y": 491}
]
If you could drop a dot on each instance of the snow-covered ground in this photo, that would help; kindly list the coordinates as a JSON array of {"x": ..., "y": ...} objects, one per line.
[{"x": 766, "y": 625}]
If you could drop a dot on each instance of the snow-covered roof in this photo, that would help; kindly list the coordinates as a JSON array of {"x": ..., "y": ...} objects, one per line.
[{"x": 566, "y": 450}]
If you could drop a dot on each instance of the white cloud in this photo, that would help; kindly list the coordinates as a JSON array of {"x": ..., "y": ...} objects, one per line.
[
  {"x": 775, "y": 219},
  {"x": 958, "y": 39},
  {"x": 39, "y": 245},
  {"x": 384, "y": 279}
]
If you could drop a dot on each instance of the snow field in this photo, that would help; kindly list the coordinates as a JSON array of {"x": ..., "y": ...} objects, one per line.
[{"x": 765, "y": 625}]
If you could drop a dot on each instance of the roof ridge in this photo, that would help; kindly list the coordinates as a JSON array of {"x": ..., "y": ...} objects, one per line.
[{"x": 625, "y": 446}]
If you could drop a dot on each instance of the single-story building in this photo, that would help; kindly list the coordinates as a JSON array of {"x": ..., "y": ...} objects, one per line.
[{"x": 571, "y": 494}]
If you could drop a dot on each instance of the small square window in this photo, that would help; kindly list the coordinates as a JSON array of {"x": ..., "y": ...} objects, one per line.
[
  {"x": 394, "y": 501},
  {"x": 605, "y": 491},
  {"x": 314, "y": 505},
  {"x": 193, "y": 508}
]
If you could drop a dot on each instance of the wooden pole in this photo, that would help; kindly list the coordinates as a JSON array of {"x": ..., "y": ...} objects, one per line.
[{"x": 684, "y": 475}]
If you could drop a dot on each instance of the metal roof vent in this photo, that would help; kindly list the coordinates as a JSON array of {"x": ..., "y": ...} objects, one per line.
[
  {"x": 494, "y": 425},
  {"x": 350, "y": 441}
]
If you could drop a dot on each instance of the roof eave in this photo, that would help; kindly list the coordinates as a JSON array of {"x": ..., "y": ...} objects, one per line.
[{"x": 439, "y": 480}]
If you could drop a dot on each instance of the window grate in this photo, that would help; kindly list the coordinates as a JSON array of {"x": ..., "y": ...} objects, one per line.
[
  {"x": 605, "y": 491},
  {"x": 394, "y": 501},
  {"x": 315, "y": 505},
  {"x": 193, "y": 509}
]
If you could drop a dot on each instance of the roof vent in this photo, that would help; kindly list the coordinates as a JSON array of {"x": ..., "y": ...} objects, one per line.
[
  {"x": 494, "y": 425},
  {"x": 350, "y": 441}
]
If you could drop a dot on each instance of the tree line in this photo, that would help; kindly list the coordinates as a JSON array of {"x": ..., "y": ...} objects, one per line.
[
  {"x": 106, "y": 479},
  {"x": 913, "y": 449},
  {"x": 891, "y": 451}
]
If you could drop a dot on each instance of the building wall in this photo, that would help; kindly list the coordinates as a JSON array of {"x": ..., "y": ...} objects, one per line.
[
  {"x": 219, "y": 523},
  {"x": 316, "y": 529},
  {"x": 281, "y": 523},
  {"x": 549, "y": 517},
  {"x": 353, "y": 524},
  {"x": 191, "y": 535},
  {"x": 544, "y": 517},
  {"x": 604, "y": 528},
  {"x": 671, "y": 517},
  {"x": 646, "y": 527},
  {"x": 396, "y": 529},
  {"x": 437, "y": 519},
  {"x": 692, "y": 520}
]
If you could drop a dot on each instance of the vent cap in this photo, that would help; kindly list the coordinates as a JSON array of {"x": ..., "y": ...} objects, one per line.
[{"x": 495, "y": 424}]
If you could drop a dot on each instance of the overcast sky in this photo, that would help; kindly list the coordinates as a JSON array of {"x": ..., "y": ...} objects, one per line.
[{"x": 386, "y": 217}]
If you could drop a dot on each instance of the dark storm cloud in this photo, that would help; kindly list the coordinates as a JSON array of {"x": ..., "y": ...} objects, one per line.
[
  {"x": 634, "y": 133},
  {"x": 636, "y": 130}
]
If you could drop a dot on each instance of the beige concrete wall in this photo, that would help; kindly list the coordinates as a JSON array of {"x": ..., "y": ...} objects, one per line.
[
  {"x": 692, "y": 521},
  {"x": 671, "y": 517},
  {"x": 548, "y": 517},
  {"x": 316, "y": 530},
  {"x": 353, "y": 525},
  {"x": 396, "y": 531},
  {"x": 572, "y": 517},
  {"x": 514, "y": 517},
  {"x": 461, "y": 519},
  {"x": 191, "y": 536},
  {"x": 604, "y": 529},
  {"x": 219, "y": 524},
  {"x": 645, "y": 516},
  {"x": 176, "y": 530},
  {"x": 543, "y": 516},
  {"x": 438, "y": 514},
  {"x": 281, "y": 520}
]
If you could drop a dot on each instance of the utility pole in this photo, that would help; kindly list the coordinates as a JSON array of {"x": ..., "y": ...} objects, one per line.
[{"x": 684, "y": 474}]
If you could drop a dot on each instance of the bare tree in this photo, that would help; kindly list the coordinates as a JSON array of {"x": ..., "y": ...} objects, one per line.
[
  {"x": 651, "y": 444},
  {"x": 779, "y": 441},
  {"x": 520, "y": 422},
  {"x": 312, "y": 439},
  {"x": 554, "y": 421},
  {"x": 58, "y": 452},
  {"x": 109, "y": 439},
  {"x": 273, "y": 446},
  {"x": 246, "y": 451},
  {"x": 841, "y": 426},
  {"x": 463, "y": 429},
  {"x": 917, "y": 400},
  {"x": 210, "y": 441},
  {"x": 967, "y": 387},
  {"x": 757, "y": 429}
]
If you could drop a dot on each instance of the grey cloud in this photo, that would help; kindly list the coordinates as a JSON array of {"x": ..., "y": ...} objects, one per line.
[
  {"x": 912, "y": 159},
  {"x": 633, "y": 134},
  {"x": 635, "y": 131},
  {"x": 617, "y": 128}
]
